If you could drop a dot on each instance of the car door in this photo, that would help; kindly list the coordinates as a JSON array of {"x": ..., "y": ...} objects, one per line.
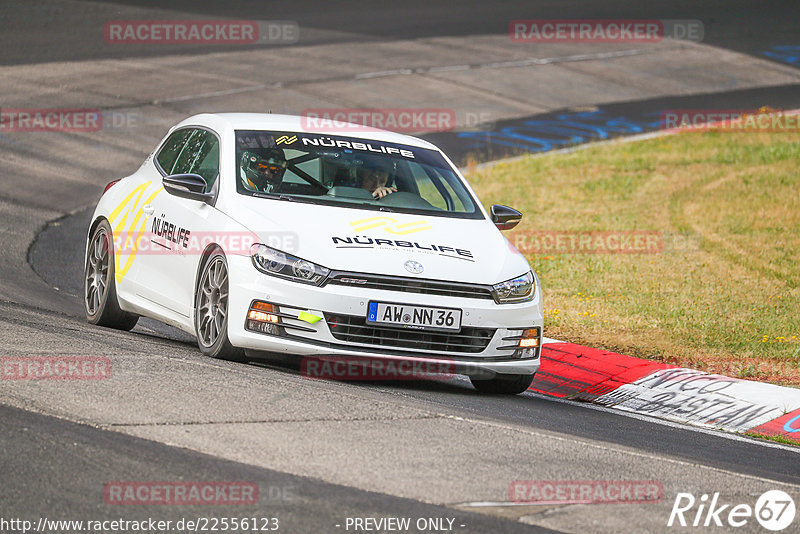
[
  {"x": 131, "y": 214},
  {"x": 177, "y": 224}
]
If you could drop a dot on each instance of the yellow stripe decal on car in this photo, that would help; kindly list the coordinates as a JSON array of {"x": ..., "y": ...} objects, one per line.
[
  {"x": 388, "y": 222},
  {"x": 123, "y": 234}
]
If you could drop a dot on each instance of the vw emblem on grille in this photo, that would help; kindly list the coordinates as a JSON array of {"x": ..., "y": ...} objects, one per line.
[{"x": 413, "y": 267}]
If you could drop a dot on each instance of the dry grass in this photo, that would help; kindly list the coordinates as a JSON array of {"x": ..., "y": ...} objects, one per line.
[{"x": 724, "y": 293}]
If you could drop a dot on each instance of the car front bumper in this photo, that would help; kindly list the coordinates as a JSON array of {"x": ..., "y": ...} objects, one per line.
[{"x": 459, "y": 353}]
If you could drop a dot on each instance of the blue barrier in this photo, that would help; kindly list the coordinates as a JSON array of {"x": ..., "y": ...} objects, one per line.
[
  {"x": 785, "y": 53},
  {"x": 563, "y": 130}
]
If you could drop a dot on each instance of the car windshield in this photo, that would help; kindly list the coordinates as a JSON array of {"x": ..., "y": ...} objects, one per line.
[{"x": 350, "y": 172}]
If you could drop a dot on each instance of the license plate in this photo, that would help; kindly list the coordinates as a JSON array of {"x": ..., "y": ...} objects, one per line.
[{"x": 415, "y": 317}]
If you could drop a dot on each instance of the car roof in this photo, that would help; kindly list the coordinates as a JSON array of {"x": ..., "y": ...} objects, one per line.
[{"x": 298, "y": 124}]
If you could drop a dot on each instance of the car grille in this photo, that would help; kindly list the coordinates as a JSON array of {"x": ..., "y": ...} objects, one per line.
[
  {"x": 356, "y": 330},
  {"x": 412, "y": 285}
]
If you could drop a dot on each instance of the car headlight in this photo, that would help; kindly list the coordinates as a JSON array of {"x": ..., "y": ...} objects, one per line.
[
  {"x": 276, "y": 263},
  {"x": 519, "y": 289}
]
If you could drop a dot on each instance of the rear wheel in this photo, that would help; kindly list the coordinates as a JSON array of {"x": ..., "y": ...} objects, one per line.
[
  {"x": 211, "y": 311},
  {"x": 503, "y": 384},
  {"x": 99, "y": 289}
]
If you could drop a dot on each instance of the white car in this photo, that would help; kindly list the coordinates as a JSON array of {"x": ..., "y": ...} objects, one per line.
[{"x": 256, "y": 233}]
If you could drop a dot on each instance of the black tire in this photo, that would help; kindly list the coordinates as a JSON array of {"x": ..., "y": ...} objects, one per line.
[
  {"x": 503, "y": 384},
  {"x": 211, "y": 310},
  {"x": 99, "y": 286}
]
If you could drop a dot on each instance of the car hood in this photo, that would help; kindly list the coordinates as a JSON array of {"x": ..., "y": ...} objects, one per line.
[{"x": 367, "y": 241}]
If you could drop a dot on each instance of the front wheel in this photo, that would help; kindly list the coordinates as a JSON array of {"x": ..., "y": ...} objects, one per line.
[
  {"x": 99, "y": 288},
  {"x": 211, "y": 311},
  {"x": 503, "y": 384}
]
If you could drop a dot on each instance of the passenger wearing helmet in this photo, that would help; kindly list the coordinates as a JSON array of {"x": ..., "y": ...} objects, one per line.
[
  {"x": 262, "y": 171},
  {"x": 374, "y": 175}
]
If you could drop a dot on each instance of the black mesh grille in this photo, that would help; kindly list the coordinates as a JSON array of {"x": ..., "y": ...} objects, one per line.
[
  {"x": 356, "y": 330},
  {"x": 412, "y": 285}
]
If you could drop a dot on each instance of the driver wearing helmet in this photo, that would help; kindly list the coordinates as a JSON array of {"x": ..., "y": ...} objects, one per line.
[
  {"x": 374, "y": 175},
  {"x": 262, "y": 171}
]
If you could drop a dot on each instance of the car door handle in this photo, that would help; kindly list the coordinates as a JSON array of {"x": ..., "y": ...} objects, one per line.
[{"x": 148, "y": 209}]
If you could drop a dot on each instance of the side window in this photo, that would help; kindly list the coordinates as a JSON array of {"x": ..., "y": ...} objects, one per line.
[
  {"x": 207, "y": 162},
  {"x": 171, "y": 149},
  {"x": 200, "y": 155}
]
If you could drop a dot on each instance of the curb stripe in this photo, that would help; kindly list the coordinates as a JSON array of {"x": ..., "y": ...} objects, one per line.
[
  {"x": 583, "y": 373},
  {"x": 787, "y": 426},
  {"x": 575, "y": 372}
]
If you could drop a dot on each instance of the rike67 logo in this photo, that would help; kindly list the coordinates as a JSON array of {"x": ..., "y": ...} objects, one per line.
[{"x": 774, "y": 510}]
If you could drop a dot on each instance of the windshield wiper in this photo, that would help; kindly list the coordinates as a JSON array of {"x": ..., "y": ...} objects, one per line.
[
  {"x": 274, "y": 196},
  {"x": 320, "y": 200}
]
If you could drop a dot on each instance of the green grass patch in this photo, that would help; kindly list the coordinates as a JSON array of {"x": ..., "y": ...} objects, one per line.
[
  {"x": 722, "y": 295},
  {"x": 776, "y": 439}
]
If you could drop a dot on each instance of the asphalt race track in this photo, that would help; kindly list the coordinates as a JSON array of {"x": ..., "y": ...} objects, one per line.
[{"x": 321, "y": 452}]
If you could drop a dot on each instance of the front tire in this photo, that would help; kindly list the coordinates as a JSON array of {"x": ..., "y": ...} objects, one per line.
[
  {"x": 99, "y": 288},
  {"x": 211, "y": 311},
  {"x": 503, "y": 384}
]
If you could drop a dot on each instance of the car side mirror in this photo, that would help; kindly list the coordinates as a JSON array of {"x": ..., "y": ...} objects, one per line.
[
  {"x": 191, "y": 186},
  {"x": 505, "y": 218}
]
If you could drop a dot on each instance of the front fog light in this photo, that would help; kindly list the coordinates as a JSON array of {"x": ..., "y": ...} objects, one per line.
[
  {"x": 529, "y": 343},
  {"x": 530, "y": 338},
  {"x": 263, "y": 317}
]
